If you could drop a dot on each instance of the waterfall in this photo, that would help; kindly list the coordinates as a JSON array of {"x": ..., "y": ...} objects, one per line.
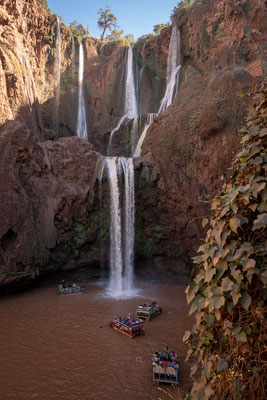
[
  {"x": 81, "y": 121},
  {"x": 173, "y": 69},
  {"x": 72, "y": 58},
  {"x": 57, "y": 75},
  {"x": 130, "y": 105},
  {"x": 150, "y": 119},
  {"x": 129, "y": 220},
  {"x": 172, "y": 84},
  {"x": 122, "y": 217},
  {"x": 121, "y": 231},
  {"x": 130, "y": 94}
]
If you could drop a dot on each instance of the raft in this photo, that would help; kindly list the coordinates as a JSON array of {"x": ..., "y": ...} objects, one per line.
[
  {"x": 71, "y": 289},
  {"x": 168, "y": 374},
  {"x": 148, "y": 311},
  {"x": 165, "y": 368},
  {"x": 128, "y": 327}
]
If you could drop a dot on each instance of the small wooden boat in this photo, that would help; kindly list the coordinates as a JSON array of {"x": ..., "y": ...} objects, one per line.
[
  {"x": 148, "y": 311},
  {"x": 165, "y": 369},
  {"x": 129, "y": 326},
  {"x": 71, "y": 289}
]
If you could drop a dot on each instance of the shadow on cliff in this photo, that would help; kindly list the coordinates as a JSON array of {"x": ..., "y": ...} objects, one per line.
[{"x": 49, "y": 219}]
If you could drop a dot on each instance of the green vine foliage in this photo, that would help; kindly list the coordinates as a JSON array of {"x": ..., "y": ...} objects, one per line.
[{"x": 228, "y": 288}]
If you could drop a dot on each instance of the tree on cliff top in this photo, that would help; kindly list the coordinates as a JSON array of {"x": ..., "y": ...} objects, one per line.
[
  {"x": 78, "y": 29},
  {"x": 106, "y": 20},
  {"x": 230, "y": 279}
]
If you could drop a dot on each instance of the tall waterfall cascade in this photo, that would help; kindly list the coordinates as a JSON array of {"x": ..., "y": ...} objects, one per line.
[
  {"x": 121, "y": 224},
  {"x": 81, "y": 125},
  {"x": 57, "y": 75},
  {"x": 122, "y": 207}
]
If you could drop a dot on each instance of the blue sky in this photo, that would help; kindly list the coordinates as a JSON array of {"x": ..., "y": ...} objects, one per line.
[{"x": 134, "y": 16}]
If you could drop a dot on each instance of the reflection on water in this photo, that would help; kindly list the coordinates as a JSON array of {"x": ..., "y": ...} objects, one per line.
[{"x": 61, "y": 347}]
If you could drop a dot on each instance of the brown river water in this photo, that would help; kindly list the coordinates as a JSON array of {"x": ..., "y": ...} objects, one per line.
[{"x": 57, "y": 347}]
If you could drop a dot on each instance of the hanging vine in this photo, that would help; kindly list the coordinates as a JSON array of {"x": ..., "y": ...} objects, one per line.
[{"x": 228, "y": 288}]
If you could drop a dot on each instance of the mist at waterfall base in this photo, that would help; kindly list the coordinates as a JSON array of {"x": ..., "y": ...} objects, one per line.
[{"x": 122, "y": 208}]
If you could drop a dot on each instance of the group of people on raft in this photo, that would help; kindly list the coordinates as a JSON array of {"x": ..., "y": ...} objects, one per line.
[
  {"x": 74, "y": 288},
  {"x": 129, "y": 320},
  {"x": 167, "y": 359}
]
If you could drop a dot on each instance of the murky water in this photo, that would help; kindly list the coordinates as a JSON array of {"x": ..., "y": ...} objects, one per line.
[{"x": 56, "y": 347}]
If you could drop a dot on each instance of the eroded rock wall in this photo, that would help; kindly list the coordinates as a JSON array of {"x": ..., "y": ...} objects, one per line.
[{"x": 189, "y": 148}]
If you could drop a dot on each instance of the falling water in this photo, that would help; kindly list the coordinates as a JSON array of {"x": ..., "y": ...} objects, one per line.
[
  {"x": 81, "y": 121},
  {"x": 121, "y": 257},
  {"x": 122, "y": 227},
  {"x": 72, "y": 58},
  {"x": 57, "y": 75},
  {"x": 150, "y": 119},
  {"x": 173, "y": 69},
  {"x": 172, "y": 83},
  {"x": 130, "y": 94},
  {"x": 129, "y": 219},
  {"x": 115, "y": 285}
]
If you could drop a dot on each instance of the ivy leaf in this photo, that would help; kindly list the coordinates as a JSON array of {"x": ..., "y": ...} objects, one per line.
[
  {"x": 263, "y": 277},
  {"x": 226, "y": 284},
  {"x": 209, "y": 319},
  {"x": 241, "y": 337},
  {"x": 186, "y": 336},
  {"x": 207, "y": 369},
  {"x": 235, "y": 224},
  {"x": 262, "y": 207},
  {"x": 193, "y": 369},
  {"x": 222, "y": 365},
  {"x": 221, "y": 267},
  {"x": 248, "y": 262},
  {"x": 236, "y": 296},
  {"x": 205, "y": 221},
  {"x": 218, "y": 301},
  {"x": 263, "y": 132},
  {"x": 209, "y": 274},
  {"x": 245, "y": 300},
  {"x": 189, "y": 353},
  {"x": 260, "y": 222}
]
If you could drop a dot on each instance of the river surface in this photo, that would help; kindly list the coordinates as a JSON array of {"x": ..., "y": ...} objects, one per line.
[{"x": 57, "y": 347}]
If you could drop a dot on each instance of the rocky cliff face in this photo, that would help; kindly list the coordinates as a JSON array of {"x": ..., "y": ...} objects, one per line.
[
  {"x": 48, "y": 201},
  {"x": 189, "y": 148}
]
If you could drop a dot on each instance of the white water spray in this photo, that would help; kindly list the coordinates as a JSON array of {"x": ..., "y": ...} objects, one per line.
[{"x": 81, "y": 121}]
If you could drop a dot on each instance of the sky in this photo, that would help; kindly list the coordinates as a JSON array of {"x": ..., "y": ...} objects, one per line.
[{"x": 134, "y": 16}]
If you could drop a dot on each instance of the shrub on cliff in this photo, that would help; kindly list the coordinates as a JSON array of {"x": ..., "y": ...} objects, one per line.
[
  {"x": 44, "y": 3},
  {"x": 229, "y": 285}
]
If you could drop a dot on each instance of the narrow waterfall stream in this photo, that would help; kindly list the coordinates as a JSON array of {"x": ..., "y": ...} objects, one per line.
[
  {"x": 173, "y": 70},
  {"x": 57, "y": 75},
  {"x": 172, "y": 84},
  {"x": 130, "y": 94},
  {"x": 81, "y": 126}
]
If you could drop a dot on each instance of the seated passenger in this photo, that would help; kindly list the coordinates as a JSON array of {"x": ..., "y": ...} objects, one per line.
[{"x": 166, "y": 353}]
